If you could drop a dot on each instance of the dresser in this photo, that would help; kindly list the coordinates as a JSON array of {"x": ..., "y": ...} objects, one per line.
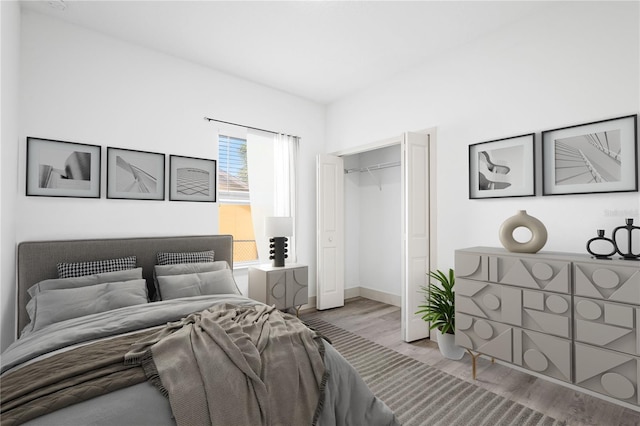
[
  {"x": 566, "y": 316},
  {"x": 285, "y": 287}
]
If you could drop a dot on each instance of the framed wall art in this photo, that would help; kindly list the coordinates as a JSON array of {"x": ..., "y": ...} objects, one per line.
[
  {"x": 62, "y": 169},
  {"x": 135, "y": 175},
  {"x": 192, "y": 179},
  {"x": 502, "y": 168},
  {"x": 591, "y": 158}
]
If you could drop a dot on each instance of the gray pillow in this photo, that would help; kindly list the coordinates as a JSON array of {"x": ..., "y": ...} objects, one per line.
[
  {"x": 190, "y": 268},
  {"x": 51, "y": 306},
  {"x": 60, "y": 283},
  {"x": 188, "y": 285},
  {"x": 185, "y": 268}
]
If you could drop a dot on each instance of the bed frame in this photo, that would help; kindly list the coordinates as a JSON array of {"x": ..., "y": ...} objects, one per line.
[{"x": 37, "y": 260}]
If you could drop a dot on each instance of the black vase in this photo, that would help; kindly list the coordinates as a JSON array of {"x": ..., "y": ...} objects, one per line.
[
  {"x": 629, "y": 255},
  {"x": 599, "y": 238}
]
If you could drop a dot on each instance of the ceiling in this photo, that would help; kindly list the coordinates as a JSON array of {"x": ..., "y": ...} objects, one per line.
[{"x": 318, "y": 50}]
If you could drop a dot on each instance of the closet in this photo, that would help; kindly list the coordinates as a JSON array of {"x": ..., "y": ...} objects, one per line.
[{"x": 373, "y": 223}]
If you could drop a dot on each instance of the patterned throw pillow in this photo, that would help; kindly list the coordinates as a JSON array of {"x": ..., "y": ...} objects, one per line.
[
  {"x": 186, "y": 257},
  {"x": 79, "y": 269}
]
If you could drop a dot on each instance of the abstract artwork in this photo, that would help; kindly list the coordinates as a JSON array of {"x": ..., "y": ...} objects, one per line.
[
  {"x": 62, "y": 169},
  {"x": 591, "y": 158},
  {"x": 192, "y": 179},
  {"x": 135, "y": 174},
  {"x": 502, "y": 168}
]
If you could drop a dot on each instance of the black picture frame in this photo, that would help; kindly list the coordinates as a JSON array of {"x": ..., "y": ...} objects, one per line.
[
  {"x": 503, "y": 168},
  {"x": 192, "y": 179},
  {"x": 135, "y": 175},
  {"x": 589, "y": 158},
  {"x": 62, "y": 169}
]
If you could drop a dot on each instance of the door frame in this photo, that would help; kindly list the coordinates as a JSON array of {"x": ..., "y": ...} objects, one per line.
[{"x": 431, "y": 132}]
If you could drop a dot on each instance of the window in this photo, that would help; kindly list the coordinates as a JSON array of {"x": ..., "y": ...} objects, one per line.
[{"x": 234, "y": 202}]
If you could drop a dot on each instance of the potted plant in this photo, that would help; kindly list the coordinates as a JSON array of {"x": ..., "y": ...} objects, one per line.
[{"x": 438, "y": 309}]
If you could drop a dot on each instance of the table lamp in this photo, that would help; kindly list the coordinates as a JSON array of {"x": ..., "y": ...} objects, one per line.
[{"x": 277, "y": 228}]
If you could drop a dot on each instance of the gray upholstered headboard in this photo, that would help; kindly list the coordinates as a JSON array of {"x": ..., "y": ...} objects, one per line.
[{"x": 37, "y": 260}]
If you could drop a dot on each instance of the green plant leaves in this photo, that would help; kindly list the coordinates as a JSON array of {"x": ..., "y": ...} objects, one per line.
[{"x": 438, "y": 307}]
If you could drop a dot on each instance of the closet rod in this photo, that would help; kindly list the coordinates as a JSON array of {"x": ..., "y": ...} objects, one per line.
[
  {"x": 374, "y": 167},
  {"x": 249, "y": 127}
]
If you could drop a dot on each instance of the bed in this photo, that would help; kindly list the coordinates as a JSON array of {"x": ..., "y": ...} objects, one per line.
[{"x": 153, "y": 331}]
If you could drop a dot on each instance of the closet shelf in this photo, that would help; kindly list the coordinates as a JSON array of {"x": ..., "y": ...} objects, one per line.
[{"x": 372, "y": 167}]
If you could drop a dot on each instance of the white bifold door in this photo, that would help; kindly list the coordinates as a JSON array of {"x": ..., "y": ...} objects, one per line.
[
  {"x": 330, "y": 228},
  {"x": 414, "y": 227}
]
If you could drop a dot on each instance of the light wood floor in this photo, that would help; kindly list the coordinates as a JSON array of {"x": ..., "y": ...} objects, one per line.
[{"x": 380, "y": 323}]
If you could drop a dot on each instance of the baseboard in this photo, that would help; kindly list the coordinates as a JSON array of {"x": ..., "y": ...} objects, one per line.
[
  {"x": 380, "y": 296},
  {"x": 350, "y": 293},
  {"x": 367, "y": 293},
  {"x": 311, "y": 304}
]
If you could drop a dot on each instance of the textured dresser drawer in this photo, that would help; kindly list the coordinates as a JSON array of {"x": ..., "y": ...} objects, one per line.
[
  {"x": 472, "y": 266},
  {"x": 564, "y": 315},
  {"x": 530, "y": 272},
  {"x": 610, "y": 325},
  {"x": 530, "y": 309},
  {"x": 613, "y": 283},
  {"x": 607, "y": 372},
  {"x": 548, "y": 355}
]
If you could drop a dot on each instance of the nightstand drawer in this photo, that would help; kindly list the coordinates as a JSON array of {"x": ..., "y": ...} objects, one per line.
[{"x": 285, "y": 287}]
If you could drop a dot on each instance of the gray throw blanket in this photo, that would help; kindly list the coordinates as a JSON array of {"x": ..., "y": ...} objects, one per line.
[
  {"x": 236, "y": 365},
  {"x": 67, "y": 378}
]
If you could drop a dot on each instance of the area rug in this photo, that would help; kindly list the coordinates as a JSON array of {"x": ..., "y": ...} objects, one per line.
[{"x": 423, "y": 395}]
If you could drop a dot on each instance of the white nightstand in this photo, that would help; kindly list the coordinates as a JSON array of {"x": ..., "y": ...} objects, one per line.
[{"x": 285, "y": 287}]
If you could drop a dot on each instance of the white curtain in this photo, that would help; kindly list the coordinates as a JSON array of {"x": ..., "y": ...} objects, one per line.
[
  {"x": 272, "y": 164},
  {"x": 285, "y": 183},
  {"x": 272, "y": 176},
  {"x": 260, "y": 165}
]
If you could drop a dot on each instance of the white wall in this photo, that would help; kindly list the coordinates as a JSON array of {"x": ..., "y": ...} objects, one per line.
[
  {"x": 576, "y": 63},
  {"x": 372, "y": 222},
  {"x": 9, "y": 80},
  {"x": 80, "y": 86}
]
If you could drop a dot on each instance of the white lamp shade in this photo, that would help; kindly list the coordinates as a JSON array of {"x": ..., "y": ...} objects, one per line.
[{"x": 278, "y": 226}]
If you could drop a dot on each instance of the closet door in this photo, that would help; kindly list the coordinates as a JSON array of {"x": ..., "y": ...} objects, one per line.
[
  {"x": 330, "y": 228},
  {"x": 415, "y": 229}
]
